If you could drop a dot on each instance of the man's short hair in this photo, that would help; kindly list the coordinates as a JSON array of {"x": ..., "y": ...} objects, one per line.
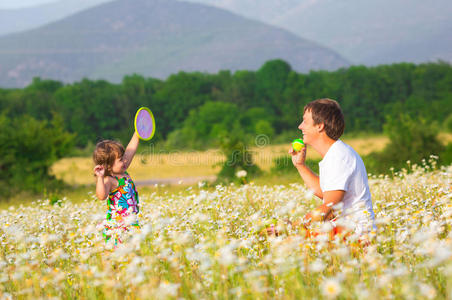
[{"x": 328, "y": 112}]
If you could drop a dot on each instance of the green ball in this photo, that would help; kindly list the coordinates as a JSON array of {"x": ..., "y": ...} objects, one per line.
[{"x": 297, "y": 144}]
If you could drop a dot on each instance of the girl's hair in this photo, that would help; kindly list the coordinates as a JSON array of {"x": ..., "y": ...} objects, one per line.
[
  {"x": 328, "y": 112},
  {"x": 106, "y": 153}
]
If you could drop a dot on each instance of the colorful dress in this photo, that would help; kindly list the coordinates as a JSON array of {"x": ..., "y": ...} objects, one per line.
[{"x": 122, "y": 210}]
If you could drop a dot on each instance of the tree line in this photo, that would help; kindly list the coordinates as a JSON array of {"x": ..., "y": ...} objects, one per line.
[
  {"x": 48, "y": 119},
  {"x": 193, "y": 108}
]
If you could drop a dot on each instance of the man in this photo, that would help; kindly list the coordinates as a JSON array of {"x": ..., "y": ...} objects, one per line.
[{"x": 342, "y": 179}]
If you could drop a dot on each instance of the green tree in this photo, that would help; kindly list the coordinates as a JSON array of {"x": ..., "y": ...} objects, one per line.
[
  {"x": 448, "y": 124},
  {"x": 263, "y": 127},
  {"x": 242, "y": 90},
  {"x": 179, "y": 94},
  {"x": 205, "y": 125},
  {"x": 94, "y": 110},
  {"x": 28, "y": 148},
  {"x": 271, "y": 83},
  {"x": 409, "y": 140},
  {"x": 252, "y": 116},
  {"x": 234, "y": 146},
  {"x": 98, "y": 109}
]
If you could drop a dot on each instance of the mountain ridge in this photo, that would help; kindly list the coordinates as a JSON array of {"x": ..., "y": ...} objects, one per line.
[
  {"x": 370, "y": 32},
  {"x": 27, "y": 18},
  {"x": 155, "y": 38},
  {"x": 364, "y": 32}
]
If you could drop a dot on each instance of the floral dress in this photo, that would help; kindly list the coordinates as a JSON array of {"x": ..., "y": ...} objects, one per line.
[{"x": 122, "y": 204}]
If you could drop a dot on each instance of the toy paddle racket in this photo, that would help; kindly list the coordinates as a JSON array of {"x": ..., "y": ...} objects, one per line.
[{"x": 144, "y": 123}]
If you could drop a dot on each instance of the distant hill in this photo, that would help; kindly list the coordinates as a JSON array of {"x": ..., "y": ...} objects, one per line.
[
  {"x": 363, "y": 32},
  {"x": 16, "y": 20},
  {"x": 368, "y": 32},
  {"x": 154, "y": 38}
]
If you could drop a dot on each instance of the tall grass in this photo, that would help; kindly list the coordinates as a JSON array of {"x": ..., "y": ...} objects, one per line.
[{"x": 151, "y": 164}]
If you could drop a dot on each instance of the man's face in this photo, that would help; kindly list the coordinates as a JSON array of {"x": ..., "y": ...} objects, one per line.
[{"x": 309, "y": 129}]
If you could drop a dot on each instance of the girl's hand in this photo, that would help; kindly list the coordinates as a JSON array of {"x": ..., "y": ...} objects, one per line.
[
  {"x": 99, "y": 171},
  {"x": 298, "y": 157}
]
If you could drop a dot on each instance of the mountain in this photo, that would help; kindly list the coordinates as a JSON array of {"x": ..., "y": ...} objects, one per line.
[
  {"x": 368, "y": 32},
  {"x": 153, "y": 38},
  {"x": 16, "y": 20},
  {"x": 363, "y": 32}
]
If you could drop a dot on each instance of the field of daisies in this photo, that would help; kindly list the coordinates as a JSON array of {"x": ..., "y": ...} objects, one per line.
[{"x": 212, "y": 243}]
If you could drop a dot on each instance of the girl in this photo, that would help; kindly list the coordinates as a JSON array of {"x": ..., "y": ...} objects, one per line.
[{"x": 116, "y": 185}]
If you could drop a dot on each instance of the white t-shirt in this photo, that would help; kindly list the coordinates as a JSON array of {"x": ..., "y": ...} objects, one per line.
[{"x": 343, "y": 169}]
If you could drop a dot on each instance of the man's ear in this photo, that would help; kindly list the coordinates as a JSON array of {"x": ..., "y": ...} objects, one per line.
[{"x": 320, "y": 127}]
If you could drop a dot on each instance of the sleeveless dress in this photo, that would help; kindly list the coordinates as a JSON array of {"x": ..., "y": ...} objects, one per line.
[{"x": 122, "y": 204}]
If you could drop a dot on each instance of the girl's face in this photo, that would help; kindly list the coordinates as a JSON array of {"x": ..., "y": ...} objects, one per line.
[{"x": 119, "y": 165}]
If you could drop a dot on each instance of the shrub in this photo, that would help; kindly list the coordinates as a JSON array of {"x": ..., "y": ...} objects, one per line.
[
  {"x": 409, "y": 139},
  {"x": 283, "y": 165},
  {"x": 234, "y": 147},
  {"x": 448, "y": 124},
  {"x": 28, "y": 148},
  {"x": 445, "y": 158}
]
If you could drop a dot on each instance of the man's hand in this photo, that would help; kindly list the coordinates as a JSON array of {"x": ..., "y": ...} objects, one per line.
[
  {"x": 310, "y": 179},
  {"x": 99, "y": 171},
  {"x": 324, "y": 212},
  {"x": 307, "y": 219},
  {"x": 298, "y": 157}
]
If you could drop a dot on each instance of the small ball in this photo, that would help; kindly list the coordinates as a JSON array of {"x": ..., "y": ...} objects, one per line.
[{"x": 297, "y": 144}]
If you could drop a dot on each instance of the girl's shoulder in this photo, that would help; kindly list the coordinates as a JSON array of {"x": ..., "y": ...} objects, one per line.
[
  {"x": 114, "y": 181},
  {"x": 110, "y": 182},
  {"x": 110, "y": 179}
]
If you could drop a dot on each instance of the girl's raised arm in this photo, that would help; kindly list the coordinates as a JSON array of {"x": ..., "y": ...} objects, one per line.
[{"x": 131, "y": 149}]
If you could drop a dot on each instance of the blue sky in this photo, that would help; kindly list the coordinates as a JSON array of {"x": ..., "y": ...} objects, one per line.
[{"x": 5, "y": 4}]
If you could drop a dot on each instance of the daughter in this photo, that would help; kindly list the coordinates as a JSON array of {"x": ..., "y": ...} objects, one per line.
[{"x": 116, "y": 185}]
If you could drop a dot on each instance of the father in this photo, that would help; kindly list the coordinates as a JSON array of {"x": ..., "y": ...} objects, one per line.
[{"x": 342, "y": 180}]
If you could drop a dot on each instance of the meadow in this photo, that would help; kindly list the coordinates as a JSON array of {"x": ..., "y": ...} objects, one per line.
[
  {"x": 203, "y": 243},
  {"x": 152, "y": 164}
]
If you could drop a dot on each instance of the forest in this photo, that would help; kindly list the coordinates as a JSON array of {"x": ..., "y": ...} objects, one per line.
[
  {"x": 48, "y": 119},
  {"x": 270, "y": 99}
]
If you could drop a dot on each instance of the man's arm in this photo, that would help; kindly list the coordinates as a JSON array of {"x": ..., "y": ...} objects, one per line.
[
  {"x": 323, "y": 212},
  {"x": 310, "y": 179},
  {"x": 131, "y": 149}
]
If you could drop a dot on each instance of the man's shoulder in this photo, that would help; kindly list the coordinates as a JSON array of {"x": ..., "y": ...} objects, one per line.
[{"x": 340, "y": 151}]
